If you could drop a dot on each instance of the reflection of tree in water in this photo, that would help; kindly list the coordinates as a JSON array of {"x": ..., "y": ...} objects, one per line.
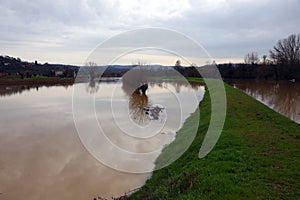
[
  {"x": 8, "y": 90},
  {"x": 141, "y": 109},
  {"x": 90, "y": 74},
  {"x": 284, "y": 97},
  {"x": 137, "y": 100},
  {"x": 135, "y": 84},
  {"x": 137, "y": 104},
  {"x": 195, "y": 85},
  {"x": 177, "y": 84},
  {"x": 93, "y": 73}
]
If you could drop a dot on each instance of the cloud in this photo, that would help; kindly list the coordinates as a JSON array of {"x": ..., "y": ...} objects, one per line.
[{"x": 55, "y": 30}]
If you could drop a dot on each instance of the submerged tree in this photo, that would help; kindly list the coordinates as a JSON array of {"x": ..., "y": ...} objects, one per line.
[
  {"x": 92, "y": 73},
  {"x": 137, "y": 78}
]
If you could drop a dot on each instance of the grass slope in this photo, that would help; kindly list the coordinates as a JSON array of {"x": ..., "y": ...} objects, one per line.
[
  {"x": 18, "y": 78},
  {"x": 256, "y": 157}
]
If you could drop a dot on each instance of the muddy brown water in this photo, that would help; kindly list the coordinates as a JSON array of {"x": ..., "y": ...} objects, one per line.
[
  {"x": 41, "y": 155},
  {"x": 282, "y": 96}
]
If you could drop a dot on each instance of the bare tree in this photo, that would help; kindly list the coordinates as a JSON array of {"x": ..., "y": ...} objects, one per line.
[
  {"x": 93, "y": 73},
  {"x": 287, "y": 51},
  {"x": 251, "y": 58},
  {"x": 137, "y": 78}
]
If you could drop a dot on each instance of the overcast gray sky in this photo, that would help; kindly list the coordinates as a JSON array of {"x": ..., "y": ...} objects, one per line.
[{"x": 67, "y": 31}]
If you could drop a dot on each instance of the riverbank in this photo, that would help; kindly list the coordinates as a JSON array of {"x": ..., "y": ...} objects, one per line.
[
  {"x": 36, "y": 81},
  {"x": 256, "y": 157}
]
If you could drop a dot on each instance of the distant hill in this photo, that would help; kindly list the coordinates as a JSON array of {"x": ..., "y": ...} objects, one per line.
[
  {"x": 121, "y": 69},
  {"x": 12, "y": 66}
]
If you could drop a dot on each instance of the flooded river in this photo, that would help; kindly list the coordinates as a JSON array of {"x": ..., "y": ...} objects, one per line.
[
  {"x": 42, "y": 156},
  {"x": 282, "y": 96}
]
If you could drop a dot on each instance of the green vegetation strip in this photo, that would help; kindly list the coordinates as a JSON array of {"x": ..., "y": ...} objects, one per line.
[
  {"x": 256, "y": 157},
  {"x": 18, "y": 79}
]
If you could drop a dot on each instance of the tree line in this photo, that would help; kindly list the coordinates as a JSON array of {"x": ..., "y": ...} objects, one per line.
[
  {"x": 283, "y": 63},
  {"x": 10, "y": 66}
]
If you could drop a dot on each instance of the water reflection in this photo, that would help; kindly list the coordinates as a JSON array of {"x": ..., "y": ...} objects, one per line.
[
  {"x": 8, "y": 90},
  {"x": 137, "y": 103},
  {"x": 41, "y": 156},
  {"x": 93, "y": 73},
  {"x": 283, "y": 96},
  {"x": 133, "y": 121},
  {"x": 140, "y": 107}
]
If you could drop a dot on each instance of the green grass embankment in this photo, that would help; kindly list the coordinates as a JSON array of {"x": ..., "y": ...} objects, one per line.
[
  {"x": 256, "y": 157},
  {"x": 42, "y": 80},
  {"x": 18, "y": 78}
]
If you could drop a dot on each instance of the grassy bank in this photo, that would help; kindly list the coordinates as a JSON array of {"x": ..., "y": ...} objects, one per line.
[
  {"x": 18, "y": 78},
  {"x": 35, "y": 80},
  {"x": 256, "y": 157}
]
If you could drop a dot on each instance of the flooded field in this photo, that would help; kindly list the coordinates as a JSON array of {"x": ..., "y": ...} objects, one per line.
[
  {"x": 42, "y": 156},
  {"x": 282, "y": 96}
]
